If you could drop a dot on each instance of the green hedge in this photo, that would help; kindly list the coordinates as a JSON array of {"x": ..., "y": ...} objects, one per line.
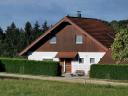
[
  {"x": 30, "y": 67},
  {"x": 116, "y": 72}
]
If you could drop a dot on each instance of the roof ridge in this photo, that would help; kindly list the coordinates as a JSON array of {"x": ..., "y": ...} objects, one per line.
[{"x": 87, "y": 18}]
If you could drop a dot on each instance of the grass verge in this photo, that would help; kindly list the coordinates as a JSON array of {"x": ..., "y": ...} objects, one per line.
[{"x": 52, "y": 88}]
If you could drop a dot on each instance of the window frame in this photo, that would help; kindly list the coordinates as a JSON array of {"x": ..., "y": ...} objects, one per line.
[
  {"x": 51, "y": 41},
  {"x": 77, "y": 41},
  {"x": 91, "y": 61},
  {"x": 81, "y": 60}
]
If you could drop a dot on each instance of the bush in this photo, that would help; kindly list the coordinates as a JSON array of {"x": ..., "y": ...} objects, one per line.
[
  {"x": 117, "y": 72},
  {"x": 30, "y": 67}
]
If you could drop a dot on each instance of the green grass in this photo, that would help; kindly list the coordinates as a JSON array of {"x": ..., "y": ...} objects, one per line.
[{"x": 51, "y": 88}]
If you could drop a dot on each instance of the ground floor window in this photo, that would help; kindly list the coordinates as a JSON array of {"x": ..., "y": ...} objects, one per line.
[
  {"x": 81, "y": 60},
  {"x": 92, "y": 60},
  {"x": 47, "y": 59}
]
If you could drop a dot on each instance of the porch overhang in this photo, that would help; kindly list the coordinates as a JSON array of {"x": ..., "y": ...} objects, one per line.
[{"x": 70, "y": 55}]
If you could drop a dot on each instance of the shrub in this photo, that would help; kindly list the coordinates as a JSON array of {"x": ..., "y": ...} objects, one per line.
[
  {"x": 30, "y": 67},
  {"x": 114, "y": 71}
]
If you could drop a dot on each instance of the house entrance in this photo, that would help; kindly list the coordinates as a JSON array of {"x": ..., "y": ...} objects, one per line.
[
  {"x": 65, "y": 60},
  {"x": 65, "y": 65}
]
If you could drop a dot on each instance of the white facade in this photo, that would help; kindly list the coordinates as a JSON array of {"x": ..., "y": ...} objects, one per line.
[
  {"x": 39, "y": 56},
  {"x": 86, "y": 64},
  {"x": 75, "y": 65}
]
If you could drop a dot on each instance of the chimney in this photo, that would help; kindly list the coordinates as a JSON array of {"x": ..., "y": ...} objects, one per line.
[{"x": 79, "y": 14}]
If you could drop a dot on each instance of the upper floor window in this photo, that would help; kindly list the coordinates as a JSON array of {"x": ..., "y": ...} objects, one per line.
[
  {"x": 92, "y": 60},
  {"x": 79, "y": 39},
  {"x": 53, "y": 40}
]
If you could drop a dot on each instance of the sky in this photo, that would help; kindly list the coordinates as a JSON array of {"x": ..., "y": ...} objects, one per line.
[{"x": 20, "y": 11}]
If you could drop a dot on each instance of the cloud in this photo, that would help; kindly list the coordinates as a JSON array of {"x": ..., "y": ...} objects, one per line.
[{"x": 52, "y": 10}]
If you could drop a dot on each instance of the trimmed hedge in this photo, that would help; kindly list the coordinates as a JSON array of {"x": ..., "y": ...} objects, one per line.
[
  {"x": 114, "y": 71},
  {"x": 30, "y": 67}
]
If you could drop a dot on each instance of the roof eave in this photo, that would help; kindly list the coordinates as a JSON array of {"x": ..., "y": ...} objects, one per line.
[{"x": 40, "y": 37}]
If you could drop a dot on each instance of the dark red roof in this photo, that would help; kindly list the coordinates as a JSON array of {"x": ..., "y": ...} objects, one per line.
[{"x": 96, "y": 28}]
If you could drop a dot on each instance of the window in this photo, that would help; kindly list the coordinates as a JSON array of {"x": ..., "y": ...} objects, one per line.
[
  {"x": 79, "y": 39},
  {"x": 53, "y": 40},
  {"x": 92, "y": 60},
  {"x": 81, "y": 60},
  {"x": 47, "y": 59}
]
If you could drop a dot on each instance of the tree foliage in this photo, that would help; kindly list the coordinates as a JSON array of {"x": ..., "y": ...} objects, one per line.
[
  {"x": 15, "y": 39},
  {"x": 120, "y": 45}
]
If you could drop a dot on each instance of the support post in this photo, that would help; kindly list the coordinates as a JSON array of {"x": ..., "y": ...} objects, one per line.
[{"x": 64, "y": 66}]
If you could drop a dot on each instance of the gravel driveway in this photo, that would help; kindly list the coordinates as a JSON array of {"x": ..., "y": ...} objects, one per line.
[{"x": 82, "y": 80}]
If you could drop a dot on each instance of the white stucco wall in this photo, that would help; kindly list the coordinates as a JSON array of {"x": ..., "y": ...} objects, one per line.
[
  {"x": 75, "y": 65},
  {"x": 39, "y": 56},
  {"x": 86, "y": 65}
]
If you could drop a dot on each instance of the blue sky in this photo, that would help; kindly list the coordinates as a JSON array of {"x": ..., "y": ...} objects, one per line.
[{"x": 21, "y": 11}]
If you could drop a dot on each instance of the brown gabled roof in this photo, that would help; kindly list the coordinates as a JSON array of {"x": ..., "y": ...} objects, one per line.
[
  {"x": 93, "y": 28},
  {"x": 97, "y": 29},
  {"x": 107, "y": 59}
]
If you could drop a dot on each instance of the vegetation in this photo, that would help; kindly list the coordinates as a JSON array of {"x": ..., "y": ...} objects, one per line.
[
  {"x": 51, "y": 88},
  {"x": 120, "y": 46},
  {"x": 13, "y": 39},
  {"x": 117, "y": 72},
  {"x": 119, "y": 24},
  {"x": 30, "y": 67}
]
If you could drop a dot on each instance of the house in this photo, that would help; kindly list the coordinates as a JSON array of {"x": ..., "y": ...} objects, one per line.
[{"x": 75, "y": 42}]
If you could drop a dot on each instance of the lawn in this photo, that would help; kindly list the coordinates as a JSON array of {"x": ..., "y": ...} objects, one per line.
[{"x": 51, "y": 88}]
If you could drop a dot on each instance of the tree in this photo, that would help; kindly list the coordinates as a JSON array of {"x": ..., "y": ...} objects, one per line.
[
  {"x": 28, "y": 28},
  {"x": 1, "y": 34},
  {"x": 36, "y": 30},
  {"x": 1, "y": 41},
  {"x": 45, "y": 27},
  {"x": 11, "y": 41},
  {"x": 28, "y": 32},
  {"x": 115, "y": 25},
  {"x": 120, "y": 46}
]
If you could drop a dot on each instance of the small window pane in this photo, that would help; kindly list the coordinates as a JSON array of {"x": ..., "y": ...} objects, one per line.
[
  {"x": 81, "y": 60},
  {"x": 53, "y": 40},
  {"x": 79, "y": 39},
  {"x": 92, "y": 60}
]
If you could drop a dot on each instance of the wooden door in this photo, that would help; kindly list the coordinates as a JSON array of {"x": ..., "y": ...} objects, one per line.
[{"x": 67, "y": 66}]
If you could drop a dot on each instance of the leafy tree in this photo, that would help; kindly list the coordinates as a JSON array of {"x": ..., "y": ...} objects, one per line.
[
  {"x": 123, "y": 23},
  {"x": 120, "y": 46},
  {"x": 115, "y": 25}
]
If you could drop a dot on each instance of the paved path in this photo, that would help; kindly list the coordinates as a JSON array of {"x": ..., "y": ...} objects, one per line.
[{"x": 81, "y": 80}]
